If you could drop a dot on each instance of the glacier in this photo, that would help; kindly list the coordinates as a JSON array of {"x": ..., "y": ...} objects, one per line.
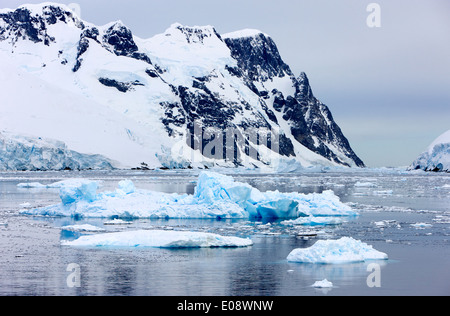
[
  {"x": 437, "y": 156},
  {"x": 216, "y": 196},
  {"x": 159, "y": 239},
  {"x": 25, "y": 153},
  {"x": 343, "y": 250}
]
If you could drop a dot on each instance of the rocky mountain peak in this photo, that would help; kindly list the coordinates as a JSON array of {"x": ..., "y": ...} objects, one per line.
[
  {"x": 257, "y": 55},
  {"x": 31, "y": 22},
  {"x": 303, "y": 88},
  {"x": 192, "y": 34}
]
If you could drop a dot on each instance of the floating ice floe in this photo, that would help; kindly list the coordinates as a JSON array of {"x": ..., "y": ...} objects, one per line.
[
  {"x": 421, "y": 225},
  {"x": 117, "y": 221},
  {"x": 56, "y": 185},
  {"x": 215, "y": 196},
  {"x": 383, "y": 192},
  {"x": 159, "y": 239},
  {"x": 387, "y": 223},
  {"x": 322, "y": 284},
  {"x": 315, "y": 221},
  {"x": 83, "y": 228},
  {"x": 31, "y": 185},
  {"x": 365, "y": 184},
  {"x": 344, "y": 250}
]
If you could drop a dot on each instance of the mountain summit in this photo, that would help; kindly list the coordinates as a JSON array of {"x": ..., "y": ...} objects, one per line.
[{"x": 189, "y": 97}]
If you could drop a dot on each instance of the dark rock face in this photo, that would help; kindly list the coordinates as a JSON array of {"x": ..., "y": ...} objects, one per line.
[
  {"x": 311, "y": 122},
  {"x": 258, "y": 57},
  {"x": 318, "y": 121},
  {"x": 121, "y": 86},
  {"x": 83, "y": 44},
  {"x": 120, "y": 39},
  {"x": 20, "y": 24}
]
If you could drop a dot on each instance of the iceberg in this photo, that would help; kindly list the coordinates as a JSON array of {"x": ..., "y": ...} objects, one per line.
[
  {"x": 159, "y": 239},
  {"x": 216, "y": 196},
  {"x": 322, "y": 284},
  {"x": 344, "y": 250}
]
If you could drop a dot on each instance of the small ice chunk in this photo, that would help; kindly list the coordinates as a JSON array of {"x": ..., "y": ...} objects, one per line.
[
  {"x": 83, "y": 228},
  {"x": 385, "y": 223},
  {"x": 383, "y": 192},
  {"x": 344, "y": 250},
  {"x": 365, "y": 184},
  {"x": 322, "y": 284},
  {"x": 31, "y": 185},
  {"x": 159, "y": 239},
  {"x": 117, "y": 221},
  {"x": 421, "y": 225}
]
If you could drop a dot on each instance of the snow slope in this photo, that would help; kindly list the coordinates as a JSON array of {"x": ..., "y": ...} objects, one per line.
[{"x": 437, "y": 156}]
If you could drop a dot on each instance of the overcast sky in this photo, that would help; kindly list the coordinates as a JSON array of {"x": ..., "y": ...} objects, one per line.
[{"x": 388, "y": 87}]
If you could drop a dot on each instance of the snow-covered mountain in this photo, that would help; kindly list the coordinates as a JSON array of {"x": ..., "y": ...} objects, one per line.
[
  {"x": 437, "y": 156},
  {"x": 189, "y": 97}
]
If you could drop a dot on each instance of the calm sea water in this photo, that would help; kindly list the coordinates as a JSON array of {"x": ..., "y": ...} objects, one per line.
[{"x": 33, "y": 262}]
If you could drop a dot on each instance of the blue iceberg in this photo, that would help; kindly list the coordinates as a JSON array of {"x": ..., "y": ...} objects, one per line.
[
  {"x": 344, "y": 250},
  {"x": 216, "y": 196}
]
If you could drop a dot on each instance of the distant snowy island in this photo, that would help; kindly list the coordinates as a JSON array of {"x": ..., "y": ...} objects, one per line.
[{"x": 437, "y": 156}]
